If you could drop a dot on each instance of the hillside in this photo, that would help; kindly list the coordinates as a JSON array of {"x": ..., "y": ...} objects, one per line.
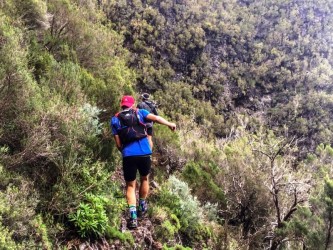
[{"x": 248, "y": 83}]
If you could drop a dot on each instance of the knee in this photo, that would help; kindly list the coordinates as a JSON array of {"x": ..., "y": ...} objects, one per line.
[
  {"x": 130, "y": 184},
  {"x": 144, "y": 178}
]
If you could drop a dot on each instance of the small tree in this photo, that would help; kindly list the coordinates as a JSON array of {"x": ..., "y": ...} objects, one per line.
[
  {"x": 288, "y": 184},
  {"x": 264, "y": 188}
]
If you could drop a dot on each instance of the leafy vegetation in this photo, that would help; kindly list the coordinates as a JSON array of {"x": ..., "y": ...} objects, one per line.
[{"x": 247, "y": 82}]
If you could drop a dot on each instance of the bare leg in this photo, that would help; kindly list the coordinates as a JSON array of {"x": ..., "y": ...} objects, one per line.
[
  {"x": 130, "y": 192},
  {"x": 144, "y": 187}
]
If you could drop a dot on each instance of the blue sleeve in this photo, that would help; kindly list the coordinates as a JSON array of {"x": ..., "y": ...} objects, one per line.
[
  {"x": 143, "y": 114},
  {"x": 114, "y": 123}
]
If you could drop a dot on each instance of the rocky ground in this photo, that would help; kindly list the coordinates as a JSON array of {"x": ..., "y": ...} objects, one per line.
[{"x": 143, "y": 235}]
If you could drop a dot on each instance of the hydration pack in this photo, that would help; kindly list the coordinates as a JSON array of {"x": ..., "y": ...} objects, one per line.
[
  {"x": 132, "y": 129},
  {"x": 148, "y": 105}
]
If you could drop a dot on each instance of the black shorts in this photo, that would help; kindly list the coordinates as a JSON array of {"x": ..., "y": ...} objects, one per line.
[
  {"x": 133, "y": 163},
  {"x": 150, "y": 131}
]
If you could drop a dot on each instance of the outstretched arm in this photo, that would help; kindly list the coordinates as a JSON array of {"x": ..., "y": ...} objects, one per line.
[{"x": 161, "y": 120}]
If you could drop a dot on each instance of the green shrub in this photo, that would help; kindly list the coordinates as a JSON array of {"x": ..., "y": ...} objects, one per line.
[
  {"x": 167, "y": 230},
  {"x": 178, "y": 212},
  {"x": 167, "y": 224},
  {"x": 16, "y": 84},
  {"x": 117, "y": 204},
  {"x": 88, "y": 40},
  {"x": 166, "y": 142},
  {"x": 125, "y": 237},
  {"x": 33, "y": 13},
  {"x": 17, "y": 209},
  {"x": 190, "y": 210},
  {"x": 165, "y": 137},
  {"x": 202, "y": 183},
  {"x": 6, "y": 240},
  {"x": 90, "y": 217},
  {"x": 177, "y": 247},
  {"x": 100, "y": 215},
  {"x": 92, "y": 125},
  {"x": 42, "y": 232},
  {"x": 19, "y": 228},
  {"x": 77, "y": 177}
]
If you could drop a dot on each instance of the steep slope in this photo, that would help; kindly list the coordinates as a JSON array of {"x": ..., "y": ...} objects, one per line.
[
  {"x": 240, "y": 56},
  {"x": 247, "y": 82}
]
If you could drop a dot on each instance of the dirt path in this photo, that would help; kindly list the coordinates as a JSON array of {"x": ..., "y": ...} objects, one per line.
[{"x": 143, "y": 234}]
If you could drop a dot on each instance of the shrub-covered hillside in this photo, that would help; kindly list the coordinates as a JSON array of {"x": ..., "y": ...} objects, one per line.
[
  {"x": 248, "y": 84},
  {"x": 250, "y": 56}
]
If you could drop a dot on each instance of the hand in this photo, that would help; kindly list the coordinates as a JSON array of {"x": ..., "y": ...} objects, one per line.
[{"x": 172, "y": 126}]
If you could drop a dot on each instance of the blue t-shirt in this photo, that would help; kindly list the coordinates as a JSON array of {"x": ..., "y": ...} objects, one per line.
[{"x": 137, "y": 148}]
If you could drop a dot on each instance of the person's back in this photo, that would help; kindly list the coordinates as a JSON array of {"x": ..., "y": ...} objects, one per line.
[
  {"x": 133, "y": 137},
  {"x": 128, "y": 128},
  {"x": 147, "y": 104},
  {"x": 151, "y": 108}
]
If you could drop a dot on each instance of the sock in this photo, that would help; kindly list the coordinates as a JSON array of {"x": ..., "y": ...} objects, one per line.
[
  {"x": 132, "y": 210},
  {"x": 142, "y": 203}
]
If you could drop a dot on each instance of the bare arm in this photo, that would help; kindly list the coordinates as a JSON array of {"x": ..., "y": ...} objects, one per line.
[
  {"x": 161, "y": 120},
  {"x": 118, "y": 142}
]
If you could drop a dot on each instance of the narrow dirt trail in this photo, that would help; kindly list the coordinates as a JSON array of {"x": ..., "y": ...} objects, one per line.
[{"x": 143, "y": 234}]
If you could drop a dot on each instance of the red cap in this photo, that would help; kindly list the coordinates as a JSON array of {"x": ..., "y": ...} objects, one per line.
[{"x": 127, "y": 101}]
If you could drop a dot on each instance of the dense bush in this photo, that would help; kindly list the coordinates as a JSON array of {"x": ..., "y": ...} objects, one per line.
[
  {"x": 178, "y": 212},
  {"x": 201, "y": 178},
  {"x": 250, "y": 93},
  {"x": 90, "y": 217},
  {"x": 18, "y": 215},
  {"x": 51, "y": 130}
]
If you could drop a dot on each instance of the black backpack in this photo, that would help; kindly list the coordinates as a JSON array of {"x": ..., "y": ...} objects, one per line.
[
  {"x": 148, "y": 105},
  {"x": 131, "y": 127}
]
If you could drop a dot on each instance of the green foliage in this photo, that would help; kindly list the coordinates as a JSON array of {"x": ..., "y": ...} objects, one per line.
[
  {"x": 313, "y": 224},
  {"x": 202, "y": 182},
  {"x": 16, "y": 84},
  {"x": 90, "y": 218},
  {"x": 177, "y": 247},
  {"x": 32, "y": 12},
  {"x": 41, "y": 229},
  {"x": 99, "y": 215},
  {"x": 18, "y": 209},
  {"x": 86, "y": 39},
  {"x": 18, "y": 204},
  {"x": 164, "y": 136},
  {"x": 217, "y": 68},
  {"x": 93, "y": 125},
  {"x": 168, "y": 224},
  {"x": 177, "y": 100},
  {"x": 116, "y": 206},
  {"x": 6, "y": 240},
  {"x": 177, "y": 210},
  {"x": 189, "y": 205},
  {"x": 125, "y": 237},
  {"x": 166, "y": 141},
  {"x": 50, "y": 82},
  {"x": 78, "y": 177}
]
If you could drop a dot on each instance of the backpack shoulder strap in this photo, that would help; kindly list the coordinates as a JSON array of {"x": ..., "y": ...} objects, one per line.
[
  {"x": 152, "y": 107},
  {"x": 138, "y": 117}
]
